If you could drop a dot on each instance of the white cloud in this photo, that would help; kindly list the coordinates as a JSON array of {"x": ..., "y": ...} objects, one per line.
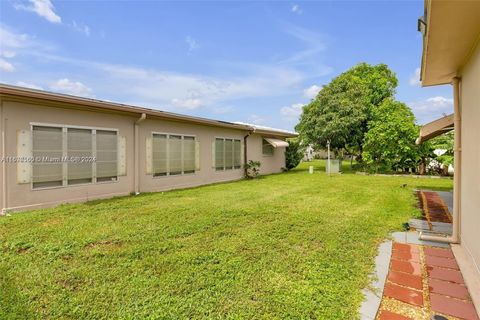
[
  {"x": 431, "y": 108},
  {"x": 43, "y": 8},
  {"x": 6, "y": 66},
  {"x": 296, "y": 9},
  {"x": 7, "y": 54},
  {"x": 82, "y": 28},
  {"x": 312, "y": 91},
  {"x": 28, "y": 85},
  {"x": 256, "y": 119},
  {"x": 292, "y": 112},
  {"x": 189, "y": 104},
  {"x": 192, "y": 43},
  {"x": 71, "y": 87},
  {"x": 415, "y": 78}
]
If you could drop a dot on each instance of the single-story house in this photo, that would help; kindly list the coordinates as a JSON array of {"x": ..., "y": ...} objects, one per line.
[
  {"x": 451, "y": 55},
  {"x": 58, "y": 148}
]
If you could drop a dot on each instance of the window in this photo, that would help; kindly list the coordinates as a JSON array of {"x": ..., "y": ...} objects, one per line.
[
  {"x": 71, "y": 156},
  {"x": 106, "y": 147},
  {"x": 79, "y": 145},
  {"x": 227, "y": 154},
  {"x": 267, "y": 148},
  {"x": 47, "y": 150},
  {"x": 173, "y": 154}
]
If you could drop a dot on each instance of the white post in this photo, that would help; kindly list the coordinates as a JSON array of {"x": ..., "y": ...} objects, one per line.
[
  {"x": 310, "y": 169},
  {"x": 328, "y": 157}
]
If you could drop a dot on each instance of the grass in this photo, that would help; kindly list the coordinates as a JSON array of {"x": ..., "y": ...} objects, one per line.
[{"x": 284, "y": 246}]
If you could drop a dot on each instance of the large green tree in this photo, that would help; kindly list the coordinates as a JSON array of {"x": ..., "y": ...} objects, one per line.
[
  {"x": 390, "y": 140},
  {"x": 341, "y": 111}
]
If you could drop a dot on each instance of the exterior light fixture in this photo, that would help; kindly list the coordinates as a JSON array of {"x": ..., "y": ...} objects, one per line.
[{"x": 422, "y": 25}]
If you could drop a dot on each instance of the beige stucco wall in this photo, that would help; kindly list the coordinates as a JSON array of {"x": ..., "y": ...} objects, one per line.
[
  {"x": 19, "y": 114},
  {"x": 205, "y": 135},
  {"x": 269, "y": 164},
  {"x": 470, "y": 185}
]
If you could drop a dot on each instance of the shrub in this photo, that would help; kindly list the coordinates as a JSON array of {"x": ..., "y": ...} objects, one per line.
[
  {"x": 293, "y": 154},
  {"x": 252, "y": 169}
]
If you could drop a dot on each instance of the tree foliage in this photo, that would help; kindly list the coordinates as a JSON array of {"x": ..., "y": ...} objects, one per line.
[
  {"x": 341, "y": 111},
  {"x": 390, "y": 140},
  {"x": 293, "y": 154}
]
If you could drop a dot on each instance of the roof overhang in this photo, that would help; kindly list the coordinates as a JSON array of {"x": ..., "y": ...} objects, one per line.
[
  {"x": 69, "y": 101},
  {"x": 435, "y": 128},
  {"x": 452, "y": 33},
  {"x": 277, "y": 143}
]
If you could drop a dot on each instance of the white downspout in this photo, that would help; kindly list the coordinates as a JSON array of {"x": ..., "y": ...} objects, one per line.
[
  {"x": 457, "y": 149},
  {"x": 4, "y": 162},
  {"x": 136, "y": 153}
]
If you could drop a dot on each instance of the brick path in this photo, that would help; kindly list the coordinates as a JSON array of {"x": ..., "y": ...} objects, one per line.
[{"x": 422, "y": 282}]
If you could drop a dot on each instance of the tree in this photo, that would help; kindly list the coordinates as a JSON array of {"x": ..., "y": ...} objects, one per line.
[
  {"x": 342, "y": 109},
  {"x": 390, "y": 140},
  {"x": 444, "y": 143},
  {"x": 293, "y": 154}
]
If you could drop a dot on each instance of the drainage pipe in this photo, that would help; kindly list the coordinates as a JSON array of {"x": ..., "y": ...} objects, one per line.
[
  {"x": 245, "y": 157},
  {"x": 457, "y": 149},
  {"x": 3, "y": 123},
  {"x": 137, "y": 152}
]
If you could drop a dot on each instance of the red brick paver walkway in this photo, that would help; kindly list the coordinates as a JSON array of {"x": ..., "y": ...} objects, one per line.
[{"x": 423, "y": 282}]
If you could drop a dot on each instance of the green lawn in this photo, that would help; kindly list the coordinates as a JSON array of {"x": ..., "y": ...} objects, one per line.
[{"x": 290, "y": 246}]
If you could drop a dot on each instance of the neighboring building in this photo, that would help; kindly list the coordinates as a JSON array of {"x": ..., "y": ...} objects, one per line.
[
  {"x": 135, "y": 149},
  {"x": 451, "y": 55}
]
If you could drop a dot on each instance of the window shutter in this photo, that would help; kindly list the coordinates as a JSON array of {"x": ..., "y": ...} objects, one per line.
[
  {"x": 149, "y": 155},
  {"x": 122, "y": 156},
  {"x": 197, "y": 155},
  {"x": 24, "y": 152},
  {"x": 159, "y": 155},
  {"x": 242, "y": 152},
  {"x": 189, "y": 151},
  {"x": 175, "y": 151},
  {"x": 79, "y": 145},
  {"x": 213, "y": 154},
  {"x": 107, "y": 166},
  {"x": 47, "y": 148}
]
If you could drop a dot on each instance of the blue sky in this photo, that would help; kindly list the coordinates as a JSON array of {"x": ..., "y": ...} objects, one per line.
[{"x": 255, "y": 62}]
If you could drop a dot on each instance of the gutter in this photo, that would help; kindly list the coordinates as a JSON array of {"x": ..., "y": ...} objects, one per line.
[
  {"x": 457, "y": 187},
  {"x": 4, "y": 163},
  {"x": 245, "y": 157},
  {"x": 136, "y": 171}
]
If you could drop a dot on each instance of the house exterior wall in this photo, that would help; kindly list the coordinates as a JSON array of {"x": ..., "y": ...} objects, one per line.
[
  {"x": 19, "y": 114},
  {"x": 205, "y": 135},
  {"x": 269, "y": 163},
  {"x": 470, "y": 178}
]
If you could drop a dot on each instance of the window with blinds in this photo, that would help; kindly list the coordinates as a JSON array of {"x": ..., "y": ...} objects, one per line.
[
  {"x": 227, "y": 154},
  {"x": 106, "y": 155},
  {"x": 173, "y": 154},
  {"x": 79, "y": 147},
  {"x": 159, "y": 154},
  {"x": 71, "y": 156},
  {"x": 267, "y": 148},
  {"x": 47, "y": 150}
]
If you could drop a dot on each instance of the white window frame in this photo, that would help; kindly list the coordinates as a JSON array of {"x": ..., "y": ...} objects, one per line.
[
  {"x": 267, "y": 154},
  {"x": 65, "y": 128},
  {"x": 168, "y": 134},
  {"x": 233, "y": 146}
]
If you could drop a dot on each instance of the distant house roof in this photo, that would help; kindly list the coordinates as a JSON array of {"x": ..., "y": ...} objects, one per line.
[
  {"x": 264, "y": 129},
  {"x": 95, "y": 105},
  {"x": 435, "y": 128}
]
